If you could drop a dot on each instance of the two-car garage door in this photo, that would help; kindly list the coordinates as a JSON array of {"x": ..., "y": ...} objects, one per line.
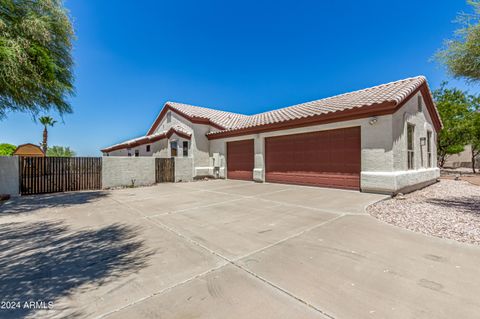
[{"x": 325, "y": 158}]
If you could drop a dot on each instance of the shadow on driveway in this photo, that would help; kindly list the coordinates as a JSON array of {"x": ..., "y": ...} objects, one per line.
[
  {"x": 44, "y": 261},
  {"x": 32, "y": 203}
]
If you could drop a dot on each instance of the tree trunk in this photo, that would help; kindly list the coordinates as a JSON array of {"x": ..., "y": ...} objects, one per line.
[
  {"x": 45, "y": 139},
  {"x": 473, "y": 163},
  {"x": 441, "y": 160},
  {"x": 474, "y": 157}
]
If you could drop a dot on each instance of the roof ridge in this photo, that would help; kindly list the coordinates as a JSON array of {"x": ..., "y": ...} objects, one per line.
[
  {"x": 203, "y": 107},
  {"x": 393, "y": 93},
  {"x": 419, "y": 77}
]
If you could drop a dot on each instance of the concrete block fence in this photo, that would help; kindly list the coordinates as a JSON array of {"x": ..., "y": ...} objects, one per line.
[
  {"x": 140, "y": 171},
  {"x": 127, "y": 171},
  {"x": 116, "y": 172},
  {"x": 9, "y": 176}
]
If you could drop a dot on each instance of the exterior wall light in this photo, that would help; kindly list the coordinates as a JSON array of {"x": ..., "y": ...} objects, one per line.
[{"x": 373, "y": 120}]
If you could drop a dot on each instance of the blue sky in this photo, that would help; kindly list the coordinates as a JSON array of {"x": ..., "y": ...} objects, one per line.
[{"x": 244, "y": 56}]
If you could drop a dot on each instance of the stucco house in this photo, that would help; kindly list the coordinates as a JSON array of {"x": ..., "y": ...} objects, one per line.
[{"x": 379, "y": 139}]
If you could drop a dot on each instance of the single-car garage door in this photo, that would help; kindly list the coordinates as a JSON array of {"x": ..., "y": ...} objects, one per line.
[
  {"x": 240, "y": 160},
  {"x": 326, "y": 158}
]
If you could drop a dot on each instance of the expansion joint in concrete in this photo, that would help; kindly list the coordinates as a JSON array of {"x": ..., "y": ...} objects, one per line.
[{"x": 229, "y": 261}]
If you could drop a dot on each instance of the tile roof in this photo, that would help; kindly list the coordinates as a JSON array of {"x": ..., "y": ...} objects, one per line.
[
  {"x": 394, "y": 92},
  {"x": 221, "y": 118},
  {"x": 148, "y": 138}
]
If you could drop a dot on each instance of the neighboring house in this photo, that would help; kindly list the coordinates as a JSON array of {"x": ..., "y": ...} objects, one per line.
[
  {"x": 380, "y": 139},
  {"x": 29, "y": 149},
  {"x": 463, "y": 159}
]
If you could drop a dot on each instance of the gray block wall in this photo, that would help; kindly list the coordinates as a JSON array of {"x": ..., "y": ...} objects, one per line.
[
  {"x": 120, "y": 171},
  {"x": 183, "y": 169},
  {"x": 9, "y": 175}
]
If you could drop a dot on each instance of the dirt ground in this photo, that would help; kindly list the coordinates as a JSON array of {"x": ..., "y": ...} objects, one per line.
[{"x": 463, "y": 174}]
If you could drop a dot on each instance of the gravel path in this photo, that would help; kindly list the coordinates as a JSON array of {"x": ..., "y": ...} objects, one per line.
[{"x": 448, "y": 209}]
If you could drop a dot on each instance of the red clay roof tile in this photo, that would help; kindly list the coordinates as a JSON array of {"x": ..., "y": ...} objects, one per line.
[{"x": 394, "y": 92}]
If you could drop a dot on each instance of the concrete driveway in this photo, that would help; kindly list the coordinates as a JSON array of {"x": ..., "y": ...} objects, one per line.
[{"x": 226, "y": 249}]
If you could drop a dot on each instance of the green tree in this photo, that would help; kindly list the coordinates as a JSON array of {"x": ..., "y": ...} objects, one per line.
[
  {"x": 35, "y": 56},
  {"x": 7, "y": 149},
  {"x": 454, "y": 107},
  {"x": 461, "y": 55},
  {"x": 46, "y": 121},
  {"x": 60, "y": 151}
]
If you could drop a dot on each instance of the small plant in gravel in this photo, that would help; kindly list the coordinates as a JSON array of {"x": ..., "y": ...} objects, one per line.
[{"x": 132, "y": 184}]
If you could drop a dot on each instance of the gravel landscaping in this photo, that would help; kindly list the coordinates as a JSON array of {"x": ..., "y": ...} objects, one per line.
[
  {"x": 462, "y": 174},
  {"x": 448, "y": 209}
]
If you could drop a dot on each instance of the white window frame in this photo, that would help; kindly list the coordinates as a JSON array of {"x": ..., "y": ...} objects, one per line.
[
  {"x": 411, "y": 150},
  {"x": 176, "y": 148},
  {"x": 185, "y": 149},
  {"x": 429, "y": 149}
]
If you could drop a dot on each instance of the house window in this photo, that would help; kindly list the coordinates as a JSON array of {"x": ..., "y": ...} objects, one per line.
[
  {"x": 137, "y": 152},
  {"x": 169, "y": 117},
  {"x": 429, "y": 149},
  {"x": 173, "y": 148},
  {"x": 129, "y": 152},
  {"x": 410, "y": 146},
  {"x": 185, "y": 148},
  {"x": 420, "y": 103},
  {"x": 148, "y": 148}
]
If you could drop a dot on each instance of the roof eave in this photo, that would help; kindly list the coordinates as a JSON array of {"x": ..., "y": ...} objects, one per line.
[
  {"x": 387, "y": 107},
  {"x": 147, "y": 139},
  {"x": 345, "y": 115},
  {"x": 194, "y": 119}
]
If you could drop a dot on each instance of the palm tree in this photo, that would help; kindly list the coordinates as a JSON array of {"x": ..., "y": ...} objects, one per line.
[{"x": 46, "y": 122}]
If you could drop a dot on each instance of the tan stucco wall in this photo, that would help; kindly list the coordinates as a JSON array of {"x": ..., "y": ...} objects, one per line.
[
  {"x": 157, "y": 149},
  {"x": 463, "y": 159},
  {"x": 198, "y": 145},
  {"x": 9, "y": 175},
  {"x": 400, "y": 179},
  {"x": 123, "y": 171},
  {"x": 423, "y": 123}
]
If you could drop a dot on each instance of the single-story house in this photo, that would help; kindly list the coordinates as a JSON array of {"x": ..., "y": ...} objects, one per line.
[
  {"x": 379, "y": 139},
  {"x": 29, "y": 149}
]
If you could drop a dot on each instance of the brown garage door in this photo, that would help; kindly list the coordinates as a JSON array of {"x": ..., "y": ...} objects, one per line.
[
  {"x": 327, "y": 158},
  {"x": 240, "y": 160}
]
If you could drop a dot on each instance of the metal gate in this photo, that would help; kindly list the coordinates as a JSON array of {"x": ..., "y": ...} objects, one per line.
[
  {"x": 39, "y": 175},
  {"x": 165, "y": 170}
]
